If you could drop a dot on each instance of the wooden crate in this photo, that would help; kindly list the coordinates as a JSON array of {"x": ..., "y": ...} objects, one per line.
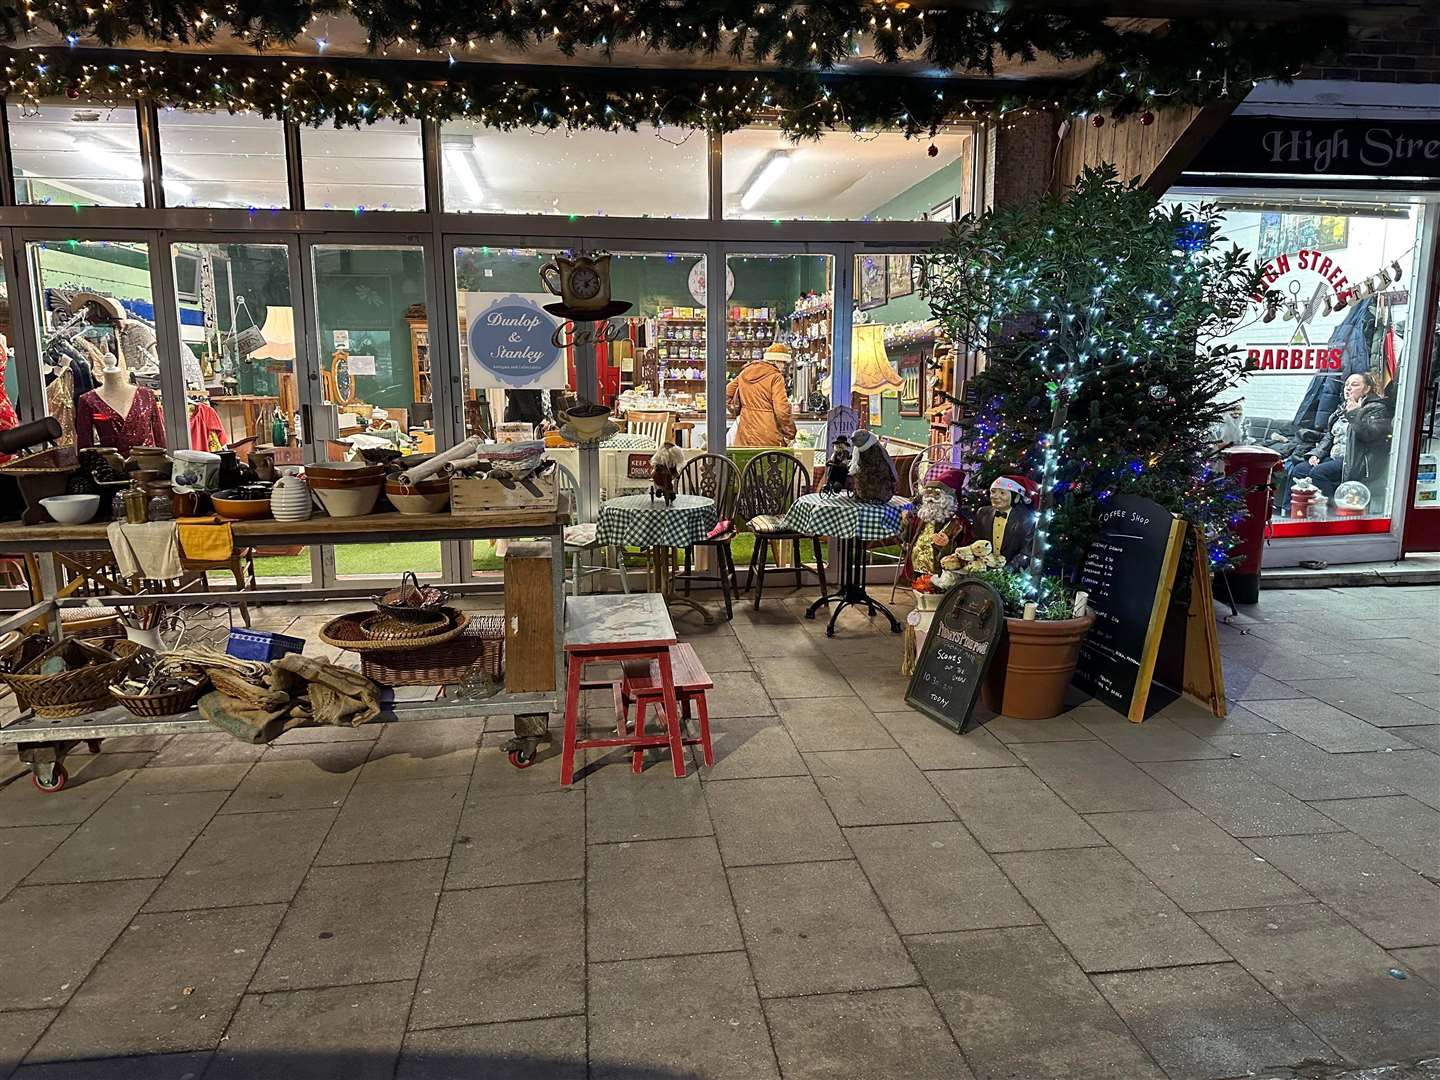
[
  {"x": 475, "y": 495},
  {"x": 531, "y": 636}
]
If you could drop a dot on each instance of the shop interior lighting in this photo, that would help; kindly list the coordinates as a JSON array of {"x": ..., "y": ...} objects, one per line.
[
  {"x": 460, "y": 156},
  {"x": 771, "y": 170}
]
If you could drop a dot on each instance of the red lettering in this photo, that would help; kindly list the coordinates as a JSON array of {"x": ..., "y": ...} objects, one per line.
[
  {"x": 1335, "y": 355},
  {"x": 1303, "y": 258},
  {"x": 1325, "y": 265}
]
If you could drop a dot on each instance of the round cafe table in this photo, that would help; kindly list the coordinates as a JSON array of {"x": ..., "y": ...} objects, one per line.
[
  {"x": 850, "y": 522},
  {"x": 640, "y": 521}
]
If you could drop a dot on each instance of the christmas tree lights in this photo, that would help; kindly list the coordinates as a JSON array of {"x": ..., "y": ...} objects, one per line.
[{"x": 1102, "y": 319}]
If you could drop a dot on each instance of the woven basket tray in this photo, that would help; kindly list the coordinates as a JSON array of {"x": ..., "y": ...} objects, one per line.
[
  {"x": 84, "y": 688},
  {"x": 167, "y": 704},
  {"x": 348, "y": 632},
  {"x": 480, "y": 646}
]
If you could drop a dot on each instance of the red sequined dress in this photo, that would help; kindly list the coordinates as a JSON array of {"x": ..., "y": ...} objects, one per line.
[{"x": 97, "y": 424}]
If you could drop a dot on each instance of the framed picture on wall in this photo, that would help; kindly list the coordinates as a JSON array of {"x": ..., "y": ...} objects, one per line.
[
  {"x": 899, "y": 281},
  {"x": 912, "y": 384},
  {"x": 872, "y": 281},
  {"x": 944, "y": 211}
]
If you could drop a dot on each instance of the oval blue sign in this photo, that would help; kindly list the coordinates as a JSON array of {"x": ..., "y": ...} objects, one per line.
[{"x": 510, "y": 343}]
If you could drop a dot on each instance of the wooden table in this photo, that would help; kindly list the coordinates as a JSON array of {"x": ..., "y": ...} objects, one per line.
[
  {"x": 613, "y": 629},
  {"x": 42, "y": 744}
]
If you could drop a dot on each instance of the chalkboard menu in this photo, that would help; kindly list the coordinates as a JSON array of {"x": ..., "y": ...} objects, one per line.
[
  {"x": 1129, "y": 573},
  {"x": 957, "y": 651}
]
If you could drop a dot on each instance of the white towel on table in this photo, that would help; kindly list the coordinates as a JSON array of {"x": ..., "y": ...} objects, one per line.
[{"x": 149, "y": 550}]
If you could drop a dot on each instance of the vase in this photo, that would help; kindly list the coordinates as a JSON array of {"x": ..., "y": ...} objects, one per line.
[{"x": 1031, "y": 667}]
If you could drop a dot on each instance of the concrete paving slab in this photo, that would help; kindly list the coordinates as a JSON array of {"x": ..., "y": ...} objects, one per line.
[
  {"x": 773, "y": 820},
  {"x": 814, "y": 928},
  {"x": 519, "y": 1050},
  {"x": 1012, "y": 810},
  {"x": 875, "y": 787},
  {"x": 354, "y": 924}
]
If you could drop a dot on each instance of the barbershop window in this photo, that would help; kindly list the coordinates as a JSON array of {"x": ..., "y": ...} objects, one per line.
[{"x": 1327, "y": 367}]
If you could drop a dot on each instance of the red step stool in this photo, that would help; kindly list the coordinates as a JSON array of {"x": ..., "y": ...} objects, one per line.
[{"x": 641, "y": 686}]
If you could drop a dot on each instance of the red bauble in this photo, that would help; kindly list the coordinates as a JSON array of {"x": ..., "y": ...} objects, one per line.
[
  {"x": 1098, "y": 120},
  {"x": 934, "y": 150},
  {"x": 72, "y": 91},
  {"x": 1147, "y": 118}
]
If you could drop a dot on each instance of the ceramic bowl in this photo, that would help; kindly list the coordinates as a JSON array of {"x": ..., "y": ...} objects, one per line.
[
  {"x": 344, "y": 498},
  {"x": 71, "y": 509},
  {"x": 345, "y": 472},
  {"x": 241, "y": 505},
  {"x": 426, "y": 497}
]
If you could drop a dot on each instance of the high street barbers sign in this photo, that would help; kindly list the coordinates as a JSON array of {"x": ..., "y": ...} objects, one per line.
[{"x": 1301, "y": 146}]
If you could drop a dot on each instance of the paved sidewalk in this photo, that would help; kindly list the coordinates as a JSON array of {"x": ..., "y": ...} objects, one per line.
[{"x": 851, "y": 892}]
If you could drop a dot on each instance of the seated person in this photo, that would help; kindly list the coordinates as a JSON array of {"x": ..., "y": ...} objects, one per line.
[{"x": 1356, "y": 443}]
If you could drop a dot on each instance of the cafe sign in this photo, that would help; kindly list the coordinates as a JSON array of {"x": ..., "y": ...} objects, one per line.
[{"x": 510, "y": 342}]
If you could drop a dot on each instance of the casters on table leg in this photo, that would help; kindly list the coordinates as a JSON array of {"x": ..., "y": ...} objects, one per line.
[
  {"x": 93, "y": 745},
  {"x": 522, "y": 757},
  {"x": 49, "y": 777},
  {"x": 530, "y": 731}
]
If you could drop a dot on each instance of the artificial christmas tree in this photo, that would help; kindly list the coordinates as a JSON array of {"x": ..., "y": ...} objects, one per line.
[{"x": 1101, "y": 317}]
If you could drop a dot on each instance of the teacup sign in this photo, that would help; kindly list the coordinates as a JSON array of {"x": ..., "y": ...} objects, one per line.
[{"x": 582, "y": 282}]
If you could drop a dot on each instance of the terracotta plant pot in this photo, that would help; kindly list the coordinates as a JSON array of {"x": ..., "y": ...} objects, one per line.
[{"x": 1032, "y": 665}]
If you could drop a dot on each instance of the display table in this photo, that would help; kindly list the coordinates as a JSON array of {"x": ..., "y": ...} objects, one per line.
[
  {"x": 54, "y": 738},
  {"x": 851, "y": 523},
  {"x": 640, "y": 521}
]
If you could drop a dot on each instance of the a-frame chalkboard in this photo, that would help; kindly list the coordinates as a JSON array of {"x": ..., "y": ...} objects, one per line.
[
  {"x": 1131, "y": 573},
  {"x": 962, "y": 638}
]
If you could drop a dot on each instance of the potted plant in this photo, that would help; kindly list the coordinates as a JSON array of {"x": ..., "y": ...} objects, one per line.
[
  {"x": 1030, "y": 669},
  {"x": 1100, "y": 319}
]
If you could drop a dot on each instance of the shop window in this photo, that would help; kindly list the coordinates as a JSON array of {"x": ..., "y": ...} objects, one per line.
[
  {"x": 653, "y": 172},
  {"x": 1343, "y": 333},
  {"x": 843, "y": 176},
  {"x": 376, "y": 379},
  {"x": 223, "y": 160},
  {"x": 378, "y": 167},
  {"x": 893, "y": 341},
  {"x": 73, "y": 154},
  {"x": 98, "y": 353}
]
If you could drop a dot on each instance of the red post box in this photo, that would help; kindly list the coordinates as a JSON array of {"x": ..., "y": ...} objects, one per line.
[{"x": 1255, "y": 467}]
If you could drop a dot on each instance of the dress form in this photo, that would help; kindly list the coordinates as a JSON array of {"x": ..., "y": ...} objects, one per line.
[{"x": 116, "y": 389}]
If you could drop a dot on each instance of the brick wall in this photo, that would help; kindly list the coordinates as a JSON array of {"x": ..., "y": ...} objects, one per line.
[{"x": 1408, "y": 52}]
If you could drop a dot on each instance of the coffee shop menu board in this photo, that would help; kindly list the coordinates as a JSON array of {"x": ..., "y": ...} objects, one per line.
[
  {"x": 1129, "y": 573},
  {"x": 962, "y": 638}
]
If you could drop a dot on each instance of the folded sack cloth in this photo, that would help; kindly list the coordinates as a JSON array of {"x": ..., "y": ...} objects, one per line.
[
  {"x": 206, "y": 539},
  {"x": 148, "y": 550},
  {"x": 337, "y": 696}
]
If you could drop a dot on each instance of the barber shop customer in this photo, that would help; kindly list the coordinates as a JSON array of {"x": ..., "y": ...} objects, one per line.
[{"x": 1356, "y": 442}]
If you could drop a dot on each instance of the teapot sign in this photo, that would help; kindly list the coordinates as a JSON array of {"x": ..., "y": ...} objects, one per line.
[{"x": 512, "y": 342}]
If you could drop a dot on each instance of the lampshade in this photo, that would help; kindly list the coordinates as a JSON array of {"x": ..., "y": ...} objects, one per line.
[
  {"x": 870, "y": 369},
  {"x": 279, "y": 331}
]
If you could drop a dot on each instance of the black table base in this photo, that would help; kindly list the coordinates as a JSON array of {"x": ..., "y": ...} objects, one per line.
[{"x": 852, "y": 589}]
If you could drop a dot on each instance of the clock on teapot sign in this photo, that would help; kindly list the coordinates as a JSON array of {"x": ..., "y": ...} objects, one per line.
[{"x": 698, "y": 282}]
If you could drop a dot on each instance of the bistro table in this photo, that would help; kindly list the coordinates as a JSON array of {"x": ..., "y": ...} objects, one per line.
[
  {"x": 642, "y": 521},
  {"x": 851, "y": 523}
]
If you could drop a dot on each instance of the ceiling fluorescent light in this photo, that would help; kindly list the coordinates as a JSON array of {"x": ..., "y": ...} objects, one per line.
[
  {"x": 765, "y": 176},
  {"x": 458, "y": 157}
]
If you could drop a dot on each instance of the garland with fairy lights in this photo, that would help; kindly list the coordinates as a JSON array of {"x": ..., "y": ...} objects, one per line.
[
  {"x": 1107, "y": 360},
  {"x": 1186, "y": 62}
]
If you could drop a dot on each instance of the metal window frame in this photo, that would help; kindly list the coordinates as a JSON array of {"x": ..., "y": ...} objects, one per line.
[{"x": 437, "y": 233}]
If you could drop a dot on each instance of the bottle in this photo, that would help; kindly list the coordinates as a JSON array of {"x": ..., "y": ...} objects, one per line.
[{"x": 278, "y": 435}]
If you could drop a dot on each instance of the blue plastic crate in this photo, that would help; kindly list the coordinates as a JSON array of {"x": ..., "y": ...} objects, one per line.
[{"x": 261, "y": 644}]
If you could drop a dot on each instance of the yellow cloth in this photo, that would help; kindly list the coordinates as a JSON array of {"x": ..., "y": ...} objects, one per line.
[
  {"x": 997, "y": 531},
  {"x": 922, "y": 553},
  {"x": 206, "y": 539}
]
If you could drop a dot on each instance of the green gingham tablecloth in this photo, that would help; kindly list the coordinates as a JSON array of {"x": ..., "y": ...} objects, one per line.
[
  {"x": 844, "y": 516},
  {"x": 639, "y": 521}
]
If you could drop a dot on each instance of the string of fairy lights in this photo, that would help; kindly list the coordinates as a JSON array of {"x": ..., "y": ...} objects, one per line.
[{"x": 425, "y": 74}]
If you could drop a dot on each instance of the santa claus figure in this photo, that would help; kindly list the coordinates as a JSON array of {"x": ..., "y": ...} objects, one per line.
[
  {"x": 1009, "y": 521},
  {"x": 936, "y": 526}
]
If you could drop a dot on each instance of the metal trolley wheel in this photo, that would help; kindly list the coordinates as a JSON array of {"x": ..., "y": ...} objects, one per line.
[
  {"x": 53, "y": 783},
  {"x": 531, "y": 729}
]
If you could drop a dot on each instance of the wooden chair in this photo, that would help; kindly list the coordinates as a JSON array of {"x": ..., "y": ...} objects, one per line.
[
  {"x": 581, "y": 537},
  {"x": 658, "y": 426},
  {"x": 716, "y": 477},
  {"x": 769, "y": 486},
  {"x": 241, "y": 566}
]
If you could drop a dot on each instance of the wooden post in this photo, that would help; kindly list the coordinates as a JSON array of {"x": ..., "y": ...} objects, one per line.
[{"x": 530, "y": 630}]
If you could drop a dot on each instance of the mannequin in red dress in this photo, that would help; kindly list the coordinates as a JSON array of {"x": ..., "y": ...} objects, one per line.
[
  {"x": 118, "y": 414},
  {"x": 8, "y": 419}
]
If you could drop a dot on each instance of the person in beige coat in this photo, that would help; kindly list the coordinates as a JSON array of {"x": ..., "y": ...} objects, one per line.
[{"x": 757, "y": 398}]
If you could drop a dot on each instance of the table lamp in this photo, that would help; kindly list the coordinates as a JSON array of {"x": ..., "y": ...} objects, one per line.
[
  {"x": 279, "y": 331},
  {"x": 870, "y": 369}
]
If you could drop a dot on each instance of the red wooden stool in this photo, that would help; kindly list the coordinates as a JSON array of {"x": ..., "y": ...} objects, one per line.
[{"x": 641, "y": 686}]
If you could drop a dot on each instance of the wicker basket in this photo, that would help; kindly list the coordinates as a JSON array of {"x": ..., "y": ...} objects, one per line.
[
  {"x": 349, "y": 632},
  {"x": 166, "y": 704},
  {"x": 481, "y": 646},
  {"x": 84, "y": 688}
]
